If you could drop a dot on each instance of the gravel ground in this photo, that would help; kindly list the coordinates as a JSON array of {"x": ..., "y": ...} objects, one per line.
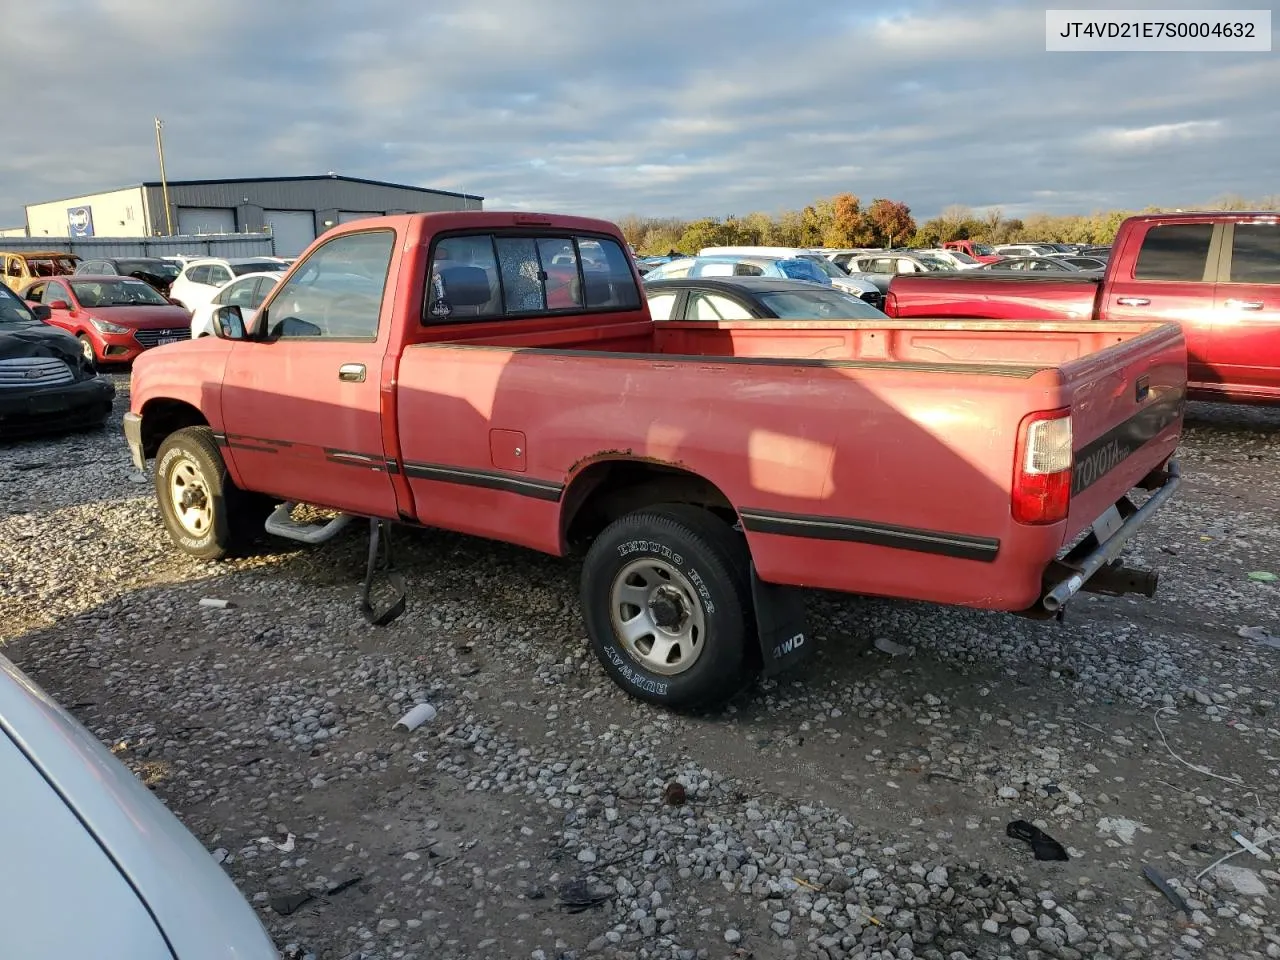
[{"x": 857, "y": 809}]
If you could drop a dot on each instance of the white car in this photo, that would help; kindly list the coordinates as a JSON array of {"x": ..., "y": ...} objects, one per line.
[
  {"x": 95, "y": 864},
  {"x": 201, "y": 279},
  {"x": 958, "y": 259},
  {"x": 246, "y": 292}
]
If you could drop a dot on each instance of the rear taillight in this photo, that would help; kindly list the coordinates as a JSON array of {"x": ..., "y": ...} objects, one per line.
[
  {"x": 890, "y": 304},
  {"x": 1042, "y": 468}
]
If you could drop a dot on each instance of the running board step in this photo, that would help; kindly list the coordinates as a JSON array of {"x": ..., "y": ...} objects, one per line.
[{"x": 282, "y": 524}]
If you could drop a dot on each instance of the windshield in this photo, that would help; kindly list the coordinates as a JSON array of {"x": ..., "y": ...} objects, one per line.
[
  {"x": 962, "y": 256},
  {"x": 818, "y": 305},
  {"x": 156, "y": 268},
  {"x": 116, "y": 293},
  {"x": 827, "y": 267},
  {"x": 13, "y": 312},
  {"x": 264, "y": 266},
  {"x": 982, "y": 249}
]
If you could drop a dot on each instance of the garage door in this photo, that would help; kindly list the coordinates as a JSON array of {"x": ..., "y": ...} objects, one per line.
[
  {"x": 292, "y": 229},
  {"x": 198, "y": 220},
  {"x": 346, "y": 216}
]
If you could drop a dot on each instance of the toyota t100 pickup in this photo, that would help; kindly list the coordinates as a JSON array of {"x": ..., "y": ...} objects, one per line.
[
  {"x": 499, "y": 374},
  {"x": 1216, "y": 274}
]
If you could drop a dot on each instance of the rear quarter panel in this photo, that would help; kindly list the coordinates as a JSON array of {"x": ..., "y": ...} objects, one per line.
[{"x": 891, "y": 446}]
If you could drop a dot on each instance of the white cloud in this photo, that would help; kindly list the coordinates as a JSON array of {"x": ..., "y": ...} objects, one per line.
[{"x": 664, "y": 108}]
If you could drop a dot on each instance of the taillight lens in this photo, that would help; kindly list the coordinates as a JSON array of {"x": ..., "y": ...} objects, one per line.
[{"x": 1042, "y": 468}]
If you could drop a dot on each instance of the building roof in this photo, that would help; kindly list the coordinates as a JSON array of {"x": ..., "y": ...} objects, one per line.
[{"x": 228, "y": 180}]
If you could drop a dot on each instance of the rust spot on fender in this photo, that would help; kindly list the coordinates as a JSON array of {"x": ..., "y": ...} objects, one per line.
[{"x": 627, "y": 454}]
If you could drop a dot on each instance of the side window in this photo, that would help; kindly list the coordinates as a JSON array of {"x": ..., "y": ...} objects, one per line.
[
  {"x": 218, "y": 275},
  {"x": 260, "y": 290},
  {"x": 56, "y": 291},
  {"x": 199, "y": 274},
  {"x": 240, "y": 293},
  {"x": 336, "y": 293},
  {"x": 13, "y": 267},
  {"x": 608, "y": 281},
  {"x": 709, "y": 306},
  {"x": 560, "y": 267},
  {"x": 1255, "y": 253},
  {"x": 1175, "y": 251},
  {"x": 660, "y": 305},
  {"x": 34, "y": 292},
  {"x": 881, "y": 265},
  {"x": 905, "y": 266},
  {"x": 464, "y": 280},
  {"x": 521, "y": 274}
]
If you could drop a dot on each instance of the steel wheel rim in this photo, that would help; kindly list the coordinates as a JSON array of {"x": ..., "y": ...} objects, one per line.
[
  {"x": 86, "y": 348},
  {"x": 657, "y": 616},
  {"x": 189, "y": 496}
]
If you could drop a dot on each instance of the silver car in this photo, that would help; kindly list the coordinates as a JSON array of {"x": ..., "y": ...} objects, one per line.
[{"x": 93, "y": 865}]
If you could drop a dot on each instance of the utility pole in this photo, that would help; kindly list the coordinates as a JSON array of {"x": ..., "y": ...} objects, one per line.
[{"x": 164, "y": 182}]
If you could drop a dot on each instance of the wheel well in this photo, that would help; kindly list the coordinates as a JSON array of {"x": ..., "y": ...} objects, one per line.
[
  {"x": 162, "y": 417},
  {"x": 607, "y": 490}
]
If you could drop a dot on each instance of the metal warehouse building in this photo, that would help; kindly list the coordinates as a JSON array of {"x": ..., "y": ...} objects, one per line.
[{"x": 294, "y": 210}]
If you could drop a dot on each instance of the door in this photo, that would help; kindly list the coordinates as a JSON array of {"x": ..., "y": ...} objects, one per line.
[
  {"x": 205, "y": 220},
  {"x": 1170, "y": 279},
  {"x": 293, "y": 230},
  {"x": 301, "y": 407},
  {"x": 1245, "y": 347},
  {"x": 60, "y": 316}
]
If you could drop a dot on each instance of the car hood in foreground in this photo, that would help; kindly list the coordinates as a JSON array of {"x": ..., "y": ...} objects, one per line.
[{"x": 202, "y": 914}]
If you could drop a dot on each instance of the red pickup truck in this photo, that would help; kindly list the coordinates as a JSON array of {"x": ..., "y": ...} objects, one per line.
[
  {"x": 1216, "y": 274},
  {"x": 979, "y": 251},
  {"x": 416, "y": 369}
]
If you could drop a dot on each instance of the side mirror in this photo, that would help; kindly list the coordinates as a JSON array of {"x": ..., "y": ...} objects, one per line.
[
  {"x": 41, "y": 311},
  {"x": 228, "y": 323},
  {"x": 59, "y": 305}
]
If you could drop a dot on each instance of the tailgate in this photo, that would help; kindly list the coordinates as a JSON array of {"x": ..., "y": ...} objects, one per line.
[{"x": 1127, "y": 403}]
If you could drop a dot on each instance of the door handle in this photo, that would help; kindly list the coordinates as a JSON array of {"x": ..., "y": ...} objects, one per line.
[
  {"x": 1132, "y": 301},
  {"x": 1245, "y": 304},
  {"x": 351, "y": 372}
]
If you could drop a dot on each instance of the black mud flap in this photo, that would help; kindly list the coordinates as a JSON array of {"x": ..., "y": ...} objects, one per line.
[
  {"x": 781, "y": 625},
  {"x": 382, "y": 597}
]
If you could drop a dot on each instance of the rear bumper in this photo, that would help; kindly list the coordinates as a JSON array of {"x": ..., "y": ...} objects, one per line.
[
  {"x": 65, "y": 407},
  {"x": 1074, "y": 572}
]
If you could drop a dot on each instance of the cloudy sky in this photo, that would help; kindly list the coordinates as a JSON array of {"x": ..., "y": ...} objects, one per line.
[{"x": 608, "y": 107}]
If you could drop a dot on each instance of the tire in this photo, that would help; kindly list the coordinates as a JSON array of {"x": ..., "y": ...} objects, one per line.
[
  {"x": 86, "y": 348},
  {"x": 689, "y": 646},
  {"x": 220, "y": 519}
]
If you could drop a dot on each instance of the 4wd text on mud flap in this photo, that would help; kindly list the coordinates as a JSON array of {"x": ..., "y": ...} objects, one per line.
[{"x": 790, "y": 645}]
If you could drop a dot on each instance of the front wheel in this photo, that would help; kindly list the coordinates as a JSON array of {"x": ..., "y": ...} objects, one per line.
[
  {"x": 86, "y": 348},
  {"x": 667, "y": 601},
  {"x": 206, "y": 514}
]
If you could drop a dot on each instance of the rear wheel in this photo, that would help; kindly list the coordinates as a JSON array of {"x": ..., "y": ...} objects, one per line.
[
  {"x": 206, "y": 514},
  {"x": 667, "y": 601}
]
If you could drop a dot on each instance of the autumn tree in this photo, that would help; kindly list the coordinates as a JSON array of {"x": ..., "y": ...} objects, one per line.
[{"x": 891, "y": 221}]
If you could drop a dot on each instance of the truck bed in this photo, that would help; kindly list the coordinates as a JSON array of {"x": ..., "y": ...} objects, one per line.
[{"x": 888, "y": 446}]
